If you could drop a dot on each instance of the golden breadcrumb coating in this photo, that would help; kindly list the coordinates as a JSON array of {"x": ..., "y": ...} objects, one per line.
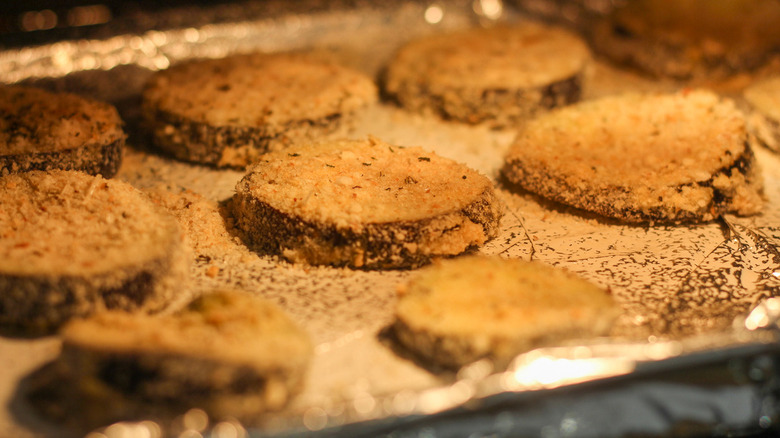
[{"x": 460, "y": 310}]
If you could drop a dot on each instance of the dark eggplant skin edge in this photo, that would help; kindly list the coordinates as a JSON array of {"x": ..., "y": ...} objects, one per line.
[
  {"x": 374, "y": 246},
  {"x": 95, "y": 159}
]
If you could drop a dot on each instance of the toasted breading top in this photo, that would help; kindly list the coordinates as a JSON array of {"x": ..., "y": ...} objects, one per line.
[
  {"x": 70, "y": 223},
  {"x": 524, "y": 56},
  {"x": 350, "y": 183},
  {"x": 258, "y": 89},
  {"x": 492, "y": 296},
  {"x": 635, "y": 140},
  {"x": 764, "y": 96},
  {"x": 34, "y": 120},
  {"x": 224, "y": 326}
]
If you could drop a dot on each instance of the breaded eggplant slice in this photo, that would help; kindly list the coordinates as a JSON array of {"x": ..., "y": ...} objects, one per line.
[
  {"x": 499, "y": 75},
  {"x": 230, "y": 353},
  {"x": 643, "y": 158},
  {"x": 764, "y": 121},
  {"x": 226, "y": 112},
  {"x": 72, "y": 244},
  {"x": 461, "y": 310},
  {"x": 364, "y": 204},
  {"x": 689, "y": 39},
  {"x": 42, "y": 130}
]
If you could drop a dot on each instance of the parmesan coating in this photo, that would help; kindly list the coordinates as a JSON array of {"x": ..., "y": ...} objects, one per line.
[
  {"x": 40, "y": 130},
  {"x": 67, "y": 223},
  {"x": 228, "y": 352},
  {"x": 661, "y": 157},
  {"x": 258, "y": 90},
  {"x": 351, "y": 183},
  {"x": 225, "y": 323},
  {"x": 77, "y": 243},
  {"x": 227, "y": 111},
  {"x": 501, "y": 74},
  {"x": 405, "y": 200},
  {"x": 33, "y": 120},
  {"x": 461, "y": 310}
]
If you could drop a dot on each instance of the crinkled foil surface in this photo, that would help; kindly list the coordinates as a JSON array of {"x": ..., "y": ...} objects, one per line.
[{"x": 694, "y": 350}]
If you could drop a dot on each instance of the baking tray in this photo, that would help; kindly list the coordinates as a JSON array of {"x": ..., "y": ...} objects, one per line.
[{"x": 695, "y": 352}]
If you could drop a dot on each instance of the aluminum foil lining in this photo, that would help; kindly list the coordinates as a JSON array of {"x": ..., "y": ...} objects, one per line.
[{"x": 694, "y": 351}]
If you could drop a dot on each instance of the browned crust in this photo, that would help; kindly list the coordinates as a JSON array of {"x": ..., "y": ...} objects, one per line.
[
  {"x": 227, "y": 353},
  {"x": 391, "y": 245},
  {"x": 228, "y": 146},
  {"x": 36, "y": 304},
  {"x": 453, "y": 352},
  {"x": 441, "y": 350},
  {"x": 499, "y": 106},
  {"x": 227, "y": 111},
  {"x": 604, "y": 200},
  {"x": 44, "y": 130},
  {"x": 500, "y": 75},
  {"x": 436, "y": 350},
  {"x": 94, "y": 159},
  {"x": 116, "y": 386},
  {"x": 85, "y": 389},
  {"x": 476, "y": 307}
]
